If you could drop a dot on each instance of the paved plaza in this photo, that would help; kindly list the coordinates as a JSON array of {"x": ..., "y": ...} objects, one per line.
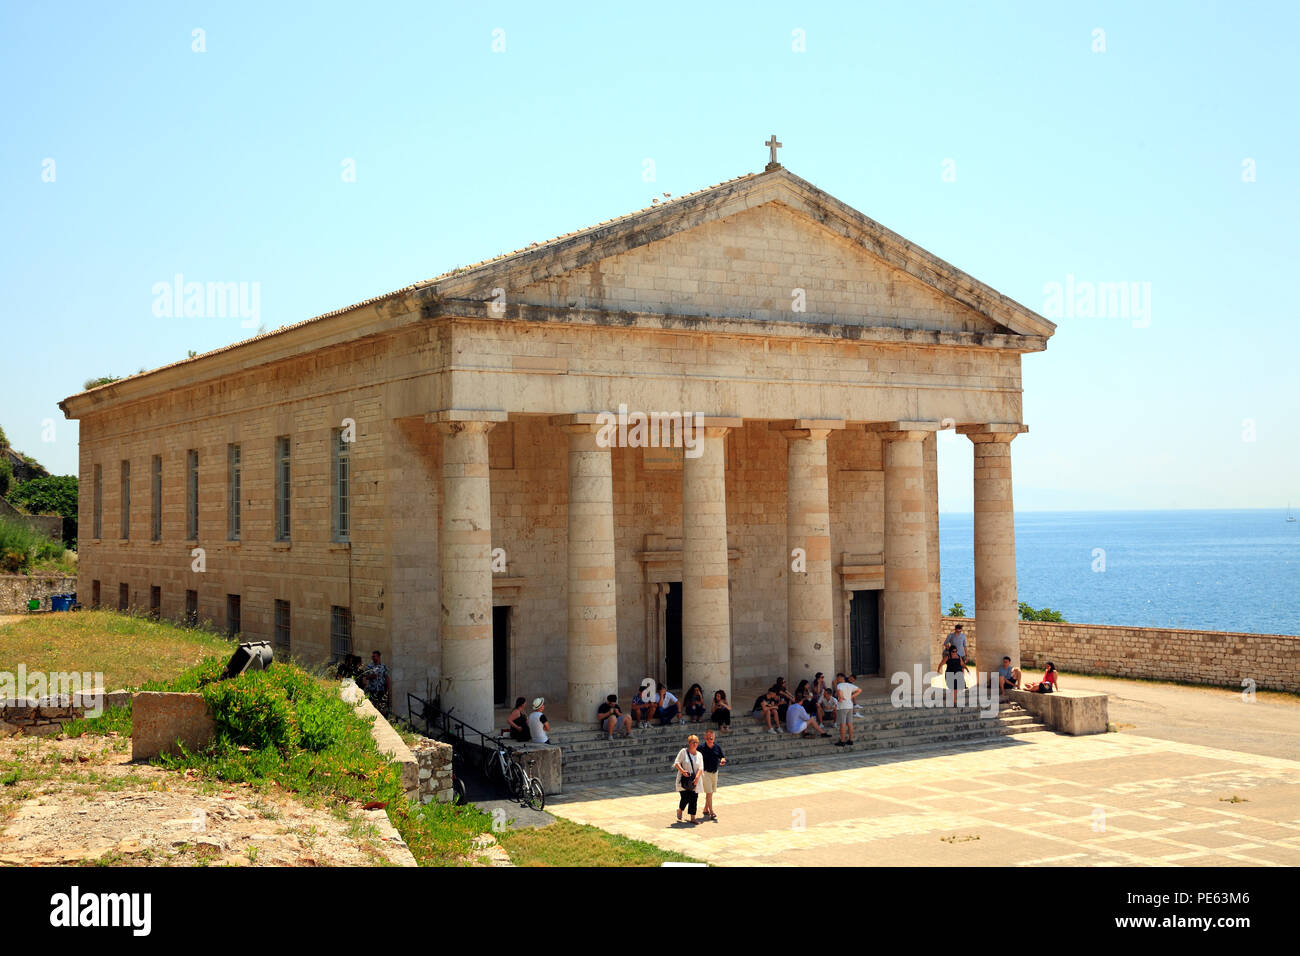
[{"x": 1117, "y": 799}]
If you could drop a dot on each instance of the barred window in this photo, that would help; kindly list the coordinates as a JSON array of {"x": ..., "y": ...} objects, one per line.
[
  {"x": 126, "y": 498},
  {"x": 99, "y": 501},
  {"x": 340, "y": 632},
  {"x": 282, "y": 627},
  {"x": 192, "y": 495},
  {"x": 232, "y": 615},
  {"x": 340, "y": 484},
  {"x": 234, "y": 472},
  {"x": 156, "y": 481},
  {"x": 282, "y": 488}
]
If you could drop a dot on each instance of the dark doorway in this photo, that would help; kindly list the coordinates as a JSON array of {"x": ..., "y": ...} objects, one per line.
[
  {"x": 501, "y": 656},
  {"x": 673, "y": 635},
  {"x": 864, "y": 633}
]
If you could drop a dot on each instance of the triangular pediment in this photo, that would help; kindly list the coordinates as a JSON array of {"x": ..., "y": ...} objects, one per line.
[{"x": 769, "y": 247}]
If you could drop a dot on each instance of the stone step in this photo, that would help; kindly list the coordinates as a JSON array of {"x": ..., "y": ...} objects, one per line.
[
  {"x": 589, "y": 777},
  {"x": 645, "y": 740},
  {"x": 648, "y": 764}
]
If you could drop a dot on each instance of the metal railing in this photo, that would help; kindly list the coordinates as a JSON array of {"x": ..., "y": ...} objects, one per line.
[{"x": 429, "y": 718}]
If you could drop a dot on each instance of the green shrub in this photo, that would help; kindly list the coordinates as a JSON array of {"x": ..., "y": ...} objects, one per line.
[
  {"x": 21, "y": 547},
  {"x": 281, "y": 708}
]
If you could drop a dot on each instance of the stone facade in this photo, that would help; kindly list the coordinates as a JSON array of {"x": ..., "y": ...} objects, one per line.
[
  {"x": 16, "y": 590},
  {"x": 1221, "y": 658},
  {"x": 477, "y": 497}
]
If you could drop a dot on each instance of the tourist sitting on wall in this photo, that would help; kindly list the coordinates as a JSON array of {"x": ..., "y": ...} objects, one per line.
[
  {"x": 1048, "y": 684},
  {"x": 610, "y": 717},
  {"x": 538, "y": 726},
  {"x": 721, "y": 710},
  {"x": 694, "y": 703},
  {"x": 954, "y": 672},
  {"x": 799, "y": 721},
  {"x": 1008, "y": 676},
  {"x": 666, "y": 706},
  {"x": 517, "y": 722},
  {"x": 769, "y": 710}
]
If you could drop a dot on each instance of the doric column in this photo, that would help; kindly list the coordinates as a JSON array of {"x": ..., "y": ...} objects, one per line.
[
  {"x": 465, "y": 567},
  {"x": 810, "y": 628},
  {"x": 706, "y": 613},
  {"x": 997, "y": 602},
  {"x": 593, "y": 620},
  {"x": 906, "y": 640}
]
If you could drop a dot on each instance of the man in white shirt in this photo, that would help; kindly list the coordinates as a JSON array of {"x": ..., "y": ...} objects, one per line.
[
  {"x": 537, "y": 722},
  {"x": 666, "y": 706},
  {"x": 846, "y": 696}
]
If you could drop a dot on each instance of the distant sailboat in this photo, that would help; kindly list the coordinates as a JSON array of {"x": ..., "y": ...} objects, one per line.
[{"x": 1289, "y": 515}]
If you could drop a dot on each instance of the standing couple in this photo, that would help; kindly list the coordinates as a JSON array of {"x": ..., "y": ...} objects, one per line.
[{"x": 696, "y": 770}]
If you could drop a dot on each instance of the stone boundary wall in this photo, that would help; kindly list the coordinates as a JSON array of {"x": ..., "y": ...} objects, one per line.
[
  {"x": 17, "y": 589},
  {"x": 1220, "y": 658},
  {"x": 44, "y": 716}
]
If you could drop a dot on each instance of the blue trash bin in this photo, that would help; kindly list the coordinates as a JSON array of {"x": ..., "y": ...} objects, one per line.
[{"x": 60, "y": 602}]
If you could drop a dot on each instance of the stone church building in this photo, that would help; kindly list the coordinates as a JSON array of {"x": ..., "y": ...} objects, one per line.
[{"x": 429, "y": 473}]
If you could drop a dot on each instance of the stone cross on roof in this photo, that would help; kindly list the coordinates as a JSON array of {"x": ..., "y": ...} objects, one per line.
[{"x": 773, "y": 145}]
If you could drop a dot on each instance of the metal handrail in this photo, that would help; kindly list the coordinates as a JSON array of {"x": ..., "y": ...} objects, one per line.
[{"x": 455, "y": 730}]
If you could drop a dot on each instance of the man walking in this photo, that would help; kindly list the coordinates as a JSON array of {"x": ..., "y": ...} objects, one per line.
[
  {"x": 846, "y": 698},
  {"x": 956, "y": 639},
  {"x": 711, "y": 751}
]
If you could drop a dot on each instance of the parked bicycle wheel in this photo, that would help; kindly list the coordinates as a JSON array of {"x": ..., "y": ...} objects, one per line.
[
  {"x": 515, "y": 779},
  {"x": 535, "y": 796},
  {"x": 458, "y": 793},
  {"x": 494, "y": 770}
]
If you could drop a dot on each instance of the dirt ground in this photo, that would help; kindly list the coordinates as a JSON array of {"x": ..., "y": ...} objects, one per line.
[{"x": 87, "y": 803}]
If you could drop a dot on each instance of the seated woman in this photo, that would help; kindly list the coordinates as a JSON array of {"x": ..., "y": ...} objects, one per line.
[
  {"x": 770, "y": 711},
  {"x": 694, "y": 703},
  {"x": 721, "y": 710},
  {"x": 517, "y": 722},
  {"x": 1048, "y": 684},
  {"x": 783, "y": 696}
]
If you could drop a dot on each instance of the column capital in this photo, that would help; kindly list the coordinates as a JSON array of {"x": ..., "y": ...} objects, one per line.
[
  {"x": 583, "y": 423},
  {"x": 903, "y": 431},
  {"x": 796, "y": 428},
  {"x": 992, "y": 432},
  {"x": 451, "y": 421}
]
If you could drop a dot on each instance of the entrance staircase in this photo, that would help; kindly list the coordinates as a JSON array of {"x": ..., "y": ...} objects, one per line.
[{"x": 592, "y": 759}]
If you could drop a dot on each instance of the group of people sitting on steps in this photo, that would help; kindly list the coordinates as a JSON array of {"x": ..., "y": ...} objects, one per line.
[{"x": 813, "y": 706}]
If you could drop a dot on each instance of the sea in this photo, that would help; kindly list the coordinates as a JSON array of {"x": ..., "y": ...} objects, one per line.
[{"x": 1204, "y": 570}]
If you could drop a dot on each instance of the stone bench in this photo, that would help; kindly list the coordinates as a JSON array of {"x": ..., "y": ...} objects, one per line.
[{"x": 1074, "y": 712}]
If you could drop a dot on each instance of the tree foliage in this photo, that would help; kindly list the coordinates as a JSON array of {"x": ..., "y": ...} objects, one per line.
[
  {"x": 56, "y": 494},
  {"x": 1028, "y": 613}
]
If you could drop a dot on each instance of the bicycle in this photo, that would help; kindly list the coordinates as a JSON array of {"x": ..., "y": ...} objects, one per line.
[{"x": 502, "y": 771}]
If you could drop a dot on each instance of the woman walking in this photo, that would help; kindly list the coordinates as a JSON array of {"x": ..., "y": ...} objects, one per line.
[{"x": 687, "y": 769}]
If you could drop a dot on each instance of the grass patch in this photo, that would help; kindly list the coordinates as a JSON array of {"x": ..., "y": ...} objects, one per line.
[
  {"x": 130, "y": 650},
  {"x": 565, "y": 843}
]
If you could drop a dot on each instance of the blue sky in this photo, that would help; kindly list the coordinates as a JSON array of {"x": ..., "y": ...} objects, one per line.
[{"x": 1120, "y": 166}]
